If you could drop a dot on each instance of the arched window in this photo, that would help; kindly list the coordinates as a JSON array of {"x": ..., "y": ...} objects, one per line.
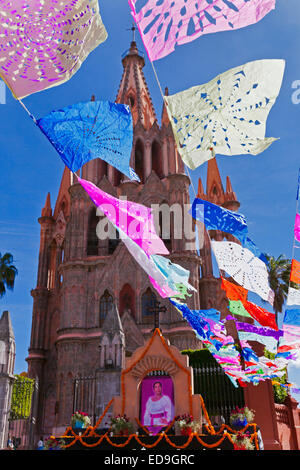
[
  {"x": 92, "y": 239},
  {"x": 148, "y": 302},
  {"x": 63, "y": 207},
  {"x": 106, "y": 302},
  {"x": 139, "y": 160},
  {"x": 131, "y": 101},
  {"x": 2, "y": 356},
  {"x": 52, "y": 329},
  {"x": 103, "y": 168},
  {"x": 157, "y": 163},
  {"x": 117, "y": 177},
  {"x": 127, "y": 300},
  {"x": 165, "y": 232},
  {"x": 62, "y": 256},
  {"x": 52, "y": 268},
  {"x": 113, "y": 242}
]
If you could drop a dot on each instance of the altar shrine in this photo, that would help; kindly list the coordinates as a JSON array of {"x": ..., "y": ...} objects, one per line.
[
  {"x": 157, "y": 356},
  {"x": 159, "y": 374}
]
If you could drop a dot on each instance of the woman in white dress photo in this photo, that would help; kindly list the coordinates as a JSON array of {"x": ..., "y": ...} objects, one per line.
[{"x": 158, "y": 408}]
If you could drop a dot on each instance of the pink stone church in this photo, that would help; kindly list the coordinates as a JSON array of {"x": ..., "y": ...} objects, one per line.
[{"x": 91, "y": 301}]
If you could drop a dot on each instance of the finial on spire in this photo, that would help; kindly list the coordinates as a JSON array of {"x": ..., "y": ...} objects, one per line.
[
  {"x": 200, "y": 189},
  {"x": 231, "y": 201},
  {"x": 133, "y": 29},
  {"x": 228, "y": 185},
  {"x": 47, "y": 211}
]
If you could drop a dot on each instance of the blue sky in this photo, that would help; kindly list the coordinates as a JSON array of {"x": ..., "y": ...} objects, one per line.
[{"x": 265, "y": 184}]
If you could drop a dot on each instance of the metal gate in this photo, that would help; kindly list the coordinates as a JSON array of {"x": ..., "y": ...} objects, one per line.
[
  {"x": 219, "y": 394},
  {"x": 84, "y": 396}
]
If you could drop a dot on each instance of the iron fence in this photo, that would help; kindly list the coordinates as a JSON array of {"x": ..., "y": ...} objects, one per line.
[
  {"x": 219, "y": 394},
  {"x": 84, "y": 396}
]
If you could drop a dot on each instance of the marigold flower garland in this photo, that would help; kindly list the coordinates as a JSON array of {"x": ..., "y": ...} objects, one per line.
[{"x": 90, "y": 432}]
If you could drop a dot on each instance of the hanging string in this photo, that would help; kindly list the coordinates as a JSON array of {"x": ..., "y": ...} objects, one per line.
[
  {"x": 192, "y": 184},
  {"x": 185, "y": 166},
  {"x": 19, "y": 100},
  {"x": 74, "y": 174},
  {"x": 27, "y": 110},
  {"x": 165, "y": 102},
  {"x": 294, "y": 239},
  {"x": 158, "y": 82}
]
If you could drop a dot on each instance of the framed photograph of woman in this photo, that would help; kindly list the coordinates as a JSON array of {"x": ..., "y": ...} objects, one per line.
[{"x": 157, "y": 403}]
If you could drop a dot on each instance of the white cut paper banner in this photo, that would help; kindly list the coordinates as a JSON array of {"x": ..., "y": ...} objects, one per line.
[
  {"x": 227, "y": 115},
  {"x": 245, "y": 268},
  {"x": 293, "y": 297}
]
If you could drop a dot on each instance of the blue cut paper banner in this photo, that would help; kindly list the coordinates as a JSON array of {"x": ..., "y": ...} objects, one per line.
[
  {"x": 218, "y": 218},
  {"x": 95, "y": 129},
  {"x": 292, "y": 317}
]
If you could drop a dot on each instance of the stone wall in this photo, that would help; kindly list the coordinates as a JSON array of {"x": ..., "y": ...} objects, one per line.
[{"x": 288, "y": 424}]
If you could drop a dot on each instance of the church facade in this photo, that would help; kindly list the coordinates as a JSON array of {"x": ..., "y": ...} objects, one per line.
[{"x": 81, "y": 278}]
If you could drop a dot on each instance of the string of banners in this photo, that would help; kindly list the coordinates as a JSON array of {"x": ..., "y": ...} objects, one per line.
[{"x": 44, "y": 44}]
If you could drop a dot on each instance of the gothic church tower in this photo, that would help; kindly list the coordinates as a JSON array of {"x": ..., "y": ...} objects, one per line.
[{"x": 81, "y": 277}]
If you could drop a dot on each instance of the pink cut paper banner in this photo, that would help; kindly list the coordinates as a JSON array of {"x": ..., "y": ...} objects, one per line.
[
  {"x": 168, "y": 23},
  {"x": 297, "y": 227},
  {"x": 135, "y": 220},
  {"x": 43, "y": 43}
]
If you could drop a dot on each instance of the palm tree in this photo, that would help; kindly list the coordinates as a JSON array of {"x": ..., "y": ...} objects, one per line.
[
  {"x": 279, "y": 270},
  {"x": 8, "y": 273}
]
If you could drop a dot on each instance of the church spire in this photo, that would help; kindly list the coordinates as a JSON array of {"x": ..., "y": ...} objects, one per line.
[
  {"x": 200, "y": 189},
  {"x": 112, "y": 323},
  {"x": 165, "y": 121},
  {"x": 214, "y": 186},
  {"x": 6, "y": 329},
  {"x": 47, "y": 210},
  {"x": 231, "y": 201},
  {"x": 112, "y": 341},
  {"x": 133, "y": 88}
]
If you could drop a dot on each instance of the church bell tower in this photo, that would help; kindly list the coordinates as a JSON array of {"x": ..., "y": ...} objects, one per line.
[{"x": 80, "y": 276}]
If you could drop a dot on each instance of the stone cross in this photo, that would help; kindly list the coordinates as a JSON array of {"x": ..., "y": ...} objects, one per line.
[
  {"x": 157, "y": 310},
  {"x": 133, "y": 29}
]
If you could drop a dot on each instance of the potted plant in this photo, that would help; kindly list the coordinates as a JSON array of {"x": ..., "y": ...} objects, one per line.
[
  {"x": 242, "y": 441},
  {"x": 80, "y": 420},
  {"x": 185, "y": 425},
  {"x": 240, "y": 417},
  {"x": 121, "y": 426},
  {"x": 52, "y": 443}
]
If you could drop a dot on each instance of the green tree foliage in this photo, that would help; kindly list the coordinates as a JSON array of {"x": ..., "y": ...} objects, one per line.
[
  {"x": 279, "y": 270},
  {"x": 280, "y": 393},
  {"x": 21, "y": 397},
  {"x": 8, "y": 273}
]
